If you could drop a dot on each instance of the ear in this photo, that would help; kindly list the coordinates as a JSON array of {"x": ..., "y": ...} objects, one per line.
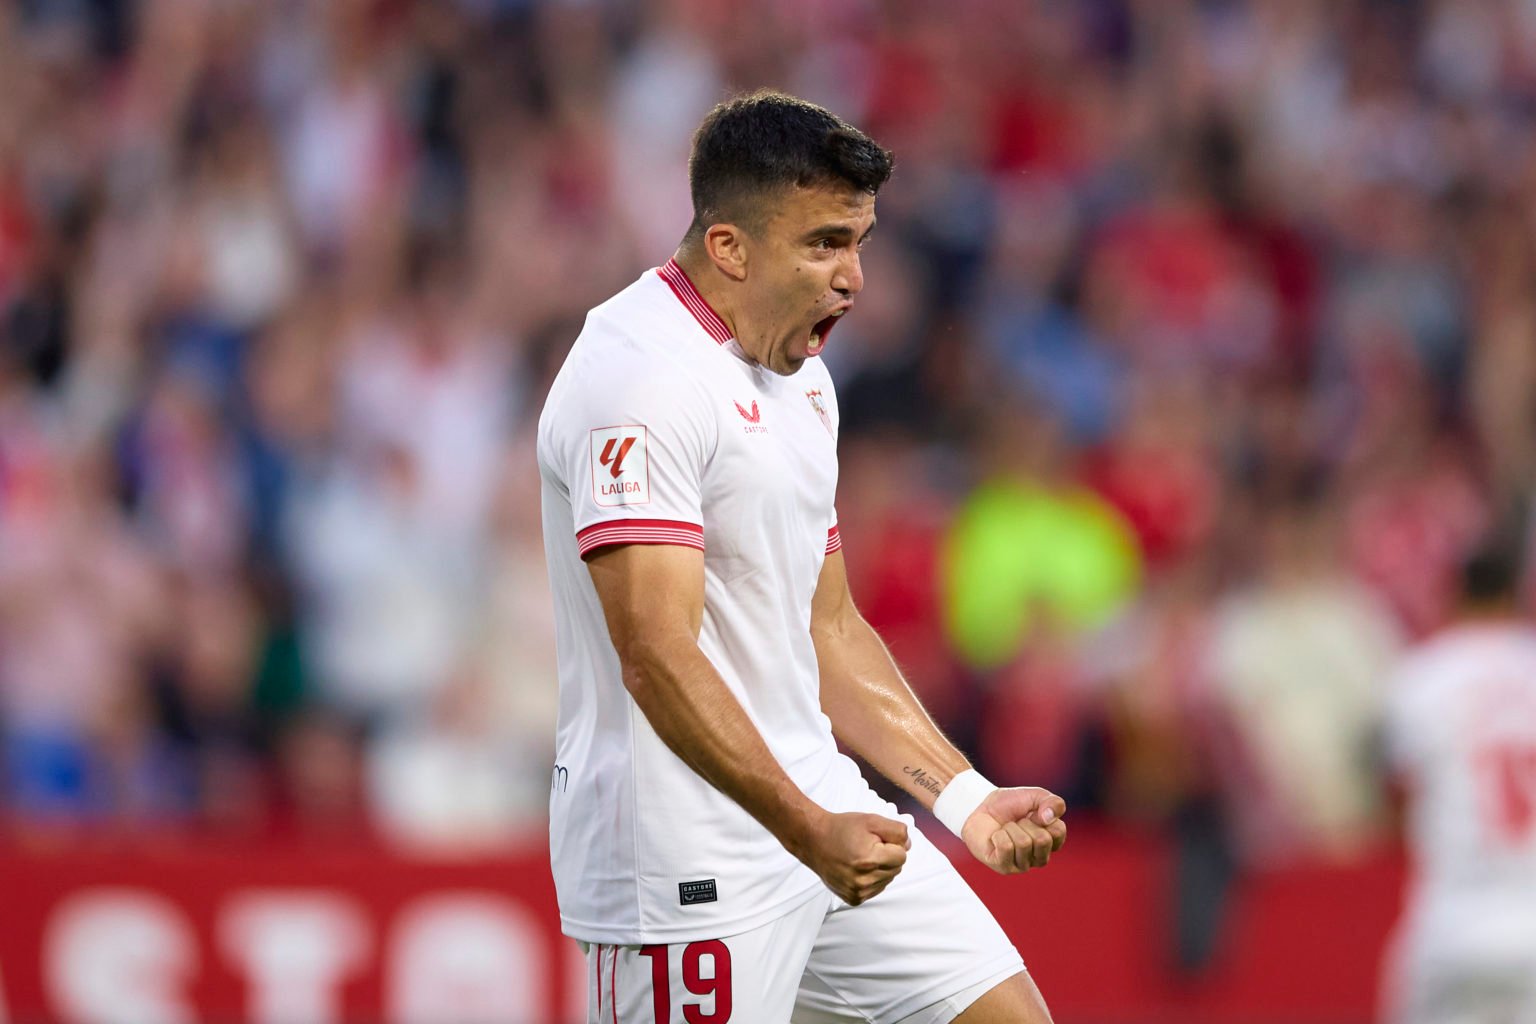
[{"x": 727, "y": 246}]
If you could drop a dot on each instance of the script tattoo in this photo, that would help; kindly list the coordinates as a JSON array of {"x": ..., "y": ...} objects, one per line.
[{"x": 922, "y": 778}]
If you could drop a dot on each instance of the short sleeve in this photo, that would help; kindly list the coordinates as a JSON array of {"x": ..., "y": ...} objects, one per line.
[{"x": 636, "y": 461}]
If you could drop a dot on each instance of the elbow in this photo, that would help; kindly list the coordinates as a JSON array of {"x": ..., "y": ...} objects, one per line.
[
  {"x": 642, "y": 663},
  {"x": 828, "y": 630},
  {"x": 636, "y": 680}
]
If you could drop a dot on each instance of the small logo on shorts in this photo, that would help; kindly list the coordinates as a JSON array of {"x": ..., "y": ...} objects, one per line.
[{"x": 702, "y": 891}]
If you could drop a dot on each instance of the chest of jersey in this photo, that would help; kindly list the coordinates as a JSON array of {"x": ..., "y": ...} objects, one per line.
[{"x": 770, "y": 485}]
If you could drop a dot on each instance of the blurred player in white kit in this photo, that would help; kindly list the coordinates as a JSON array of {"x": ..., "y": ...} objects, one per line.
[
  {"x": 717, "y": 856},
  {"x": 1461, "y": 730}
]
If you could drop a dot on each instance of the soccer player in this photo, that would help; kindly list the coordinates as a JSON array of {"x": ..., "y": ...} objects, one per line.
[
  {"x": 712, "y": 849},
  {"x": 1461, "y": 728}
]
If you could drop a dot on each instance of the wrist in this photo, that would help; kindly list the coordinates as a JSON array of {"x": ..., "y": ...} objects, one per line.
[
  {"x": 807, "y": 823},
  {"x": 960, "y": 799}
]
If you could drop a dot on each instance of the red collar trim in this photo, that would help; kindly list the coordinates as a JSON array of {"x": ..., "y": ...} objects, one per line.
[{"x": 689, "y": 296}]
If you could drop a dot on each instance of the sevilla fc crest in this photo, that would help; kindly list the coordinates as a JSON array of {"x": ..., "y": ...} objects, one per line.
[{"x": 820, "y": 405}]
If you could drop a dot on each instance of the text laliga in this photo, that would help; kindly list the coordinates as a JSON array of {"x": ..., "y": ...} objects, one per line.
[
  {"x": 125, "y": 953},
  {"x": 622, "y": 487}
]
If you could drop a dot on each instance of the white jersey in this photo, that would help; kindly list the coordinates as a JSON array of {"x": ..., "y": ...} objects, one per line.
[
  {"x": 658, "y": 430},
  {"x": 1461, "y": 729}
]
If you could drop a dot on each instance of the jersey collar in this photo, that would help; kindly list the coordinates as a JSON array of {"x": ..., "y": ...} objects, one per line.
[{"x": 688, "y": 295}]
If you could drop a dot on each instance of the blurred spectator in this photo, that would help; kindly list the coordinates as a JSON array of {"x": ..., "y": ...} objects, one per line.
[
  {"x": 1160, "y": 471},
  {"x": 83, "y": 610},
  {"x": 1299, "y": 659},
  {"x": 385, "y": 588},
  {"x": 1174, "y": 751},
  {"x": 279, "y": 283},
  {"x": 473, "y": 771},
  {"x": 1037, "y": 719},
  {"x": 443, "y": 782},
  {"x": 1030, "y": 543}
]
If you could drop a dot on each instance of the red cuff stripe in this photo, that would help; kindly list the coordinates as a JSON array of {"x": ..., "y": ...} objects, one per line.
[
  {"x": 834, "y": 540},
  {"x": 639, "y": 531}
]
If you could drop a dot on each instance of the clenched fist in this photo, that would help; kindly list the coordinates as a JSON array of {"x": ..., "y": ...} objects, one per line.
[
  {"x": 857, "y": 855},
  {"x": 1016, "y": 829}
]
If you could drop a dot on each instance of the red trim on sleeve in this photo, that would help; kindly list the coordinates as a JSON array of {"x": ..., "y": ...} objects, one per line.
[
  {"x": 688, "y": 295},
  {"x": 834, "y": 540},
  {"x": 639, "y": 531}
]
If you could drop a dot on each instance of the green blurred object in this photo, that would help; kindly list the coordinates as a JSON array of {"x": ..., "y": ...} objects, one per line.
[{"x": 1017, "y": 550}]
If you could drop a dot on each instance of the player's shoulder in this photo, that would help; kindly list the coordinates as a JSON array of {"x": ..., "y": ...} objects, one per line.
[
  {"x": 627, "y": 345},
  {"x": 1443, "y": 662},
  {"x": 626, "y": 365},
  {"x": 1428, "y": 663},
  {"x": 1476, "y": 642}
]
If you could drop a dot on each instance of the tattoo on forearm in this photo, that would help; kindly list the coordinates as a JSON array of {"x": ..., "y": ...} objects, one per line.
[{"x": 923, "y": 779}]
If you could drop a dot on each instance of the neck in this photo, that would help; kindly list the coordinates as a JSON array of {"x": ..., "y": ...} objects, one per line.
[{"x": 711, "y": 286}]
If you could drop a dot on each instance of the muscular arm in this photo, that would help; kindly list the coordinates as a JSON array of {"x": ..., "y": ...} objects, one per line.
[
  {"x": 653, "y": 601},
  {"x": 873, "y": 710},
  {"x": 875, "y": 713}
]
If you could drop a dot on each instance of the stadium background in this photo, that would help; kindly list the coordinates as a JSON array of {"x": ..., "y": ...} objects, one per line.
[{"x": 1197, "y": 346}]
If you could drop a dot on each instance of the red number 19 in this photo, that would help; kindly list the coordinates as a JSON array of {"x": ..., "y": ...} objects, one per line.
[{"x": 718, "y": 984}]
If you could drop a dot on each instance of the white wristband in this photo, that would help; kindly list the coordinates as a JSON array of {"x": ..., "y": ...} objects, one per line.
[{"x": 963, "y": 795}]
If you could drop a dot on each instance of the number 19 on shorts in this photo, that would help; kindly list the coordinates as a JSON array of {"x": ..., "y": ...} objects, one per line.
[{"x": 638, "y": 989}]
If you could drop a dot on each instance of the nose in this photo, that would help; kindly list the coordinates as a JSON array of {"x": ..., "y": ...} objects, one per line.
[{"x": 849, "y": 279}]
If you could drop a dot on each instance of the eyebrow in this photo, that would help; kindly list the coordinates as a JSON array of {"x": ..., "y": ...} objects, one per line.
[{"x": 838, "y": 231}]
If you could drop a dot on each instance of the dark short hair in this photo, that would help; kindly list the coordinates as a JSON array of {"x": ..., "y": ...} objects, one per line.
[
  {"x": 752, "y": 146},
  {"x": 1491, "y": 571}
]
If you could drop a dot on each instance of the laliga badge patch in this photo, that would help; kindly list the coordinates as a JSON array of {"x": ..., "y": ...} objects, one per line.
[
  {"x": 620, "y": 466},
  {"x": 820, "y": 405}
]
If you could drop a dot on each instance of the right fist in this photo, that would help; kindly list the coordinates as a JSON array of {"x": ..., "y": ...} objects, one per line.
[{"x": 857, "y": 855}]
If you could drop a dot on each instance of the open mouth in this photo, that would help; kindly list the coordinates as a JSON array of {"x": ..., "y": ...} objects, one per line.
[{"x": 821, "y": 330}]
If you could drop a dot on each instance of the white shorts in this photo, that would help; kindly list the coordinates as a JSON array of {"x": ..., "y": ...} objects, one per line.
[
  {"x": 1468, "y": 996},
  {"x": 918, "y": 953},
  {"x": 1460, "y": 957}
]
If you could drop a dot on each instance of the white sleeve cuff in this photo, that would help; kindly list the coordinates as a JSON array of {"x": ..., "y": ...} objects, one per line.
[{"x": 963, "y": 795}]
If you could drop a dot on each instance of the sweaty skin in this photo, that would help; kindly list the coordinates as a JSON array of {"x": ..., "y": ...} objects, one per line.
[{"x": 800, "y": 269}]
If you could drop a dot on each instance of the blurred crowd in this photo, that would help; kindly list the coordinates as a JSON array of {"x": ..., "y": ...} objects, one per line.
[{"x": 1197, "y": 348}]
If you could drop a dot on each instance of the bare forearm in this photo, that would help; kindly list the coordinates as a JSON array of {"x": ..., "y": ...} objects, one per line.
[
  {"x": 875, "y": 713},
  {"x": 701, "y": 721}
]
